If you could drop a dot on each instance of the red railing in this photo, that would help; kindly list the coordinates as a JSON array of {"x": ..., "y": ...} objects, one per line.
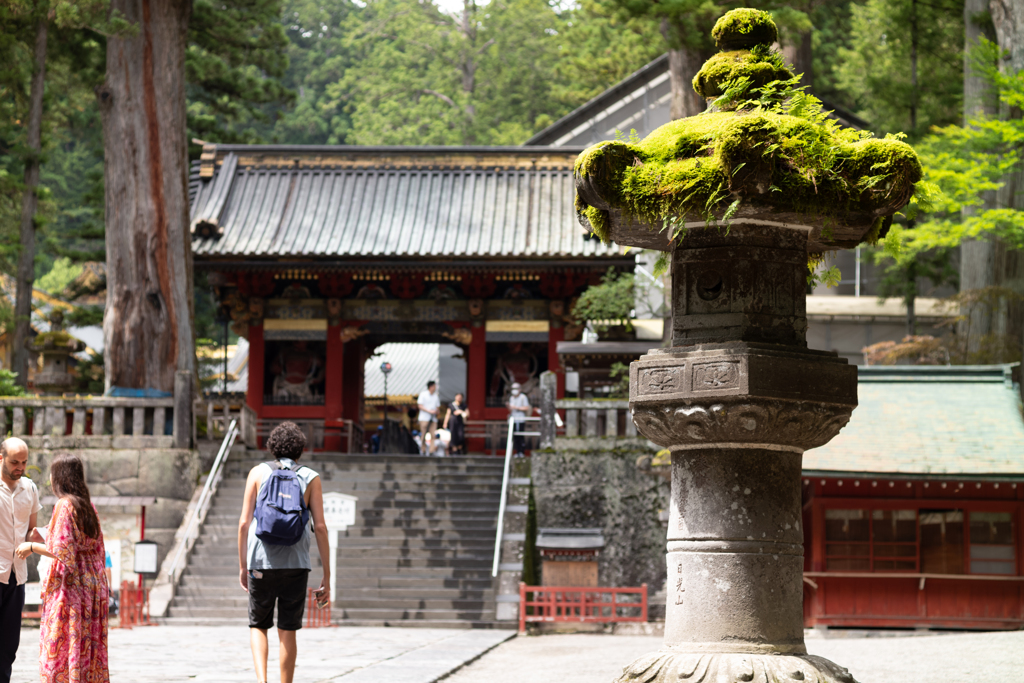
[
  {"x": 133, "y": 608},
  {"x": 588, "y": 605},
  {"x": 317, "y": 617}
]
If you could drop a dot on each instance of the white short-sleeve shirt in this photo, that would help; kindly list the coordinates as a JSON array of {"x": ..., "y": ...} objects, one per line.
[
  {"x": 428, "y": 400},
  {"x": 16, "y": 507}
]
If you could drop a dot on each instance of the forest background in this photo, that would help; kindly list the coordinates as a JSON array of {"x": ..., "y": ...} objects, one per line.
[{"x": 415, "y": 72}]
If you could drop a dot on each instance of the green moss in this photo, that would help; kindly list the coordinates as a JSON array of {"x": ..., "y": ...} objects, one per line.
[
  {"x": 775, "y": 147},
  {"x": 51, "y": 339},
  {"x": 695, "y": 165},
  {"x": 761, "y": 67},
  {"x": 744, "y": 28}
]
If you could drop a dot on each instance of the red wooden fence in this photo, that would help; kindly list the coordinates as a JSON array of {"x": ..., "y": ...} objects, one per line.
[
  {"x": 315, "y": 616},
  {"x": 133, "y": 608},
  {"x": 577, "y": 604}
]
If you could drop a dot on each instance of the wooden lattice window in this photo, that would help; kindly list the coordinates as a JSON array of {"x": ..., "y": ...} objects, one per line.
[
  {"x": 992, "y": 547},
  {"x": 871, "y": 540}
]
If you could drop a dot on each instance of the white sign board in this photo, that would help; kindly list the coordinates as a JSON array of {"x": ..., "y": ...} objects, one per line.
[
  {"x": 339, "y": 511},
  {"x": 145, "y": 558},
  {"x": 339, "y": 514}
]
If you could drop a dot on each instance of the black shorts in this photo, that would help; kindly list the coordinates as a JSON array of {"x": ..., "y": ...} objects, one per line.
[{"x": 286, "y": 587}]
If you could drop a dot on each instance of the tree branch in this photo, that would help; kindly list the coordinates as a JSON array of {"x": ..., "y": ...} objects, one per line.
[{"x": 444, "y": 98}]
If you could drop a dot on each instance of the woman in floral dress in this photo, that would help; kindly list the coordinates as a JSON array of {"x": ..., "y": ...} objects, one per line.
[{"x": 73, "y": 633}]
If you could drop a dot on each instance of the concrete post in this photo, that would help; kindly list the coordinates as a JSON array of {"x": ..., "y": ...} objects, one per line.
[
  {"x": 548, "y": 393},
  {"x": 182, "y": 426}
]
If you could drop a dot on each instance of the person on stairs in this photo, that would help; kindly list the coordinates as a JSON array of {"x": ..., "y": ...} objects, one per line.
[{"x": 273, "y": 546}]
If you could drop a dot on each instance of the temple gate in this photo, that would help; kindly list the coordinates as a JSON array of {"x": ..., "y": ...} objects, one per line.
[{"x": 321, "y": 254}]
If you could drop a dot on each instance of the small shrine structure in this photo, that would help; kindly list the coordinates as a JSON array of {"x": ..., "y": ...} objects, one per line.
[{"x": 321, "y": 254}]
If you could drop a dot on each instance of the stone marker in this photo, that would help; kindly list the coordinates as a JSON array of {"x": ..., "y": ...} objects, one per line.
[{"x": 739, "y": 396}]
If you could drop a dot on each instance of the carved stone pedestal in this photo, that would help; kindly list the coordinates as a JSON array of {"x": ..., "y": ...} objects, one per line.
[{"x": 737, "y": 400}]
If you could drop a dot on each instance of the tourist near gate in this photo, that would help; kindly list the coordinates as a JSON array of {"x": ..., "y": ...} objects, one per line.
[{"x": 321, "y": 254}]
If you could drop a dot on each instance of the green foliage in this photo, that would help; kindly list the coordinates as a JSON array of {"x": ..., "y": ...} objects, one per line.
[
  {"x": 483, "y": 75},
  {"x": 598, "y": 46},
  {"x": 964, "y": 163},
  {"x": 236, "y": 59},
  {"x": 59, "y": 277},
  {"x": 7, "y": 384},
  {"x": 612, "y": 300},
  {"x": 875, "y": 70},
  {"x": 619, "y": 374}
]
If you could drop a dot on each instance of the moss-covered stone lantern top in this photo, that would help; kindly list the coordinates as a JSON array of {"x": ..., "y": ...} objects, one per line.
[{"x": 764, "y": 148}]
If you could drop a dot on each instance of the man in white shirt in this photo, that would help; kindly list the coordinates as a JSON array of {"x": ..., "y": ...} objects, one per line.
[
  {"x": 519, "y": 405},
  {"x": 429, "y": 404},
  {"x": 19, "y": 507}
]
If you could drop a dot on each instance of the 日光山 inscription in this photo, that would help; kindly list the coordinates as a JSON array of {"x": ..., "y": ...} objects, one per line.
[{"x": 709, "y": 376}]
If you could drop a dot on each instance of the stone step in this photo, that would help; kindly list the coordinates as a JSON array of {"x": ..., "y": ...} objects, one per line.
[
  {"x": 229, "y": 588},
  {"x": 383, "y": 603},
  {"x": 409, "y": 615}
]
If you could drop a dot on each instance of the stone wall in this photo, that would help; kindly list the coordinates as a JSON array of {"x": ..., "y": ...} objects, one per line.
[
  {"x": 168, "y": 474},
  {"x": 585, "y": 484}
]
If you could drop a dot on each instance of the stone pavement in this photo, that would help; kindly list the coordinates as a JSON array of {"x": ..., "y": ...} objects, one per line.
[
  {"x": 221, "y": 653},
  {"x": 907, "y": 658},
  {"x": 397, "y": 655}
]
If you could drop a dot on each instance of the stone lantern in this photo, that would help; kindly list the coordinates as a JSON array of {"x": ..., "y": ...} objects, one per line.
[
  {"x": 55, "y": 347},
  {"x": 744, "y": 197}
]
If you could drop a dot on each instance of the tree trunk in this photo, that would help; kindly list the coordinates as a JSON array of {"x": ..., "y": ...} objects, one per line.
[
  {"x": 148, "y": 322},
  {"x": 977, "y": 257},
  {"x": 801, "y": 56},
  {"x": 29, "y": 204},
  {"x": 683, "y": 65},
  {"x": 1008, "y": 320}
]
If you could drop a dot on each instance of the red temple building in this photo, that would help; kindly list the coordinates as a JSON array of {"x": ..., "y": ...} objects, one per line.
[
  {"x": 913, "y": 514},
  {"x": 322, "y": 254}
]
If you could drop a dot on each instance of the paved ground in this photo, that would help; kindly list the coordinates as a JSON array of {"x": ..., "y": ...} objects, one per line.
[
  {"x": 953, "y": 658},
  {"x": 221, "y": 653},
  {"x": 396, "y": 655}
]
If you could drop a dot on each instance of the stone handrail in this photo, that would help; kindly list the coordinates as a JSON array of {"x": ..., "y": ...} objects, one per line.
[
  {"x": 608, "y": 418},
  {"x": 90, "y": 422}
]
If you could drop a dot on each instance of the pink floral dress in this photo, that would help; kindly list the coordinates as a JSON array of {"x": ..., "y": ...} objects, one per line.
[{"x": 73, "y": 633}]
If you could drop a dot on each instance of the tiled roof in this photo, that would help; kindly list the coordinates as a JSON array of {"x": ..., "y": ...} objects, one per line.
[
  {"x": 962, "y": 420},
  {"x": 414, "y": 202},
  {"x": 639, "y": 102}
]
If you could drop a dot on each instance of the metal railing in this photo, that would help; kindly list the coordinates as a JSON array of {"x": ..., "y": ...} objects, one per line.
[
  {"x": 504, "y": 485},
  {"x": 198, "y": 515}
]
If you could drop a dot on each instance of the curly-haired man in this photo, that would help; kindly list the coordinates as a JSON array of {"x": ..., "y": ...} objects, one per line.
[{"x": 278, "y": 573}]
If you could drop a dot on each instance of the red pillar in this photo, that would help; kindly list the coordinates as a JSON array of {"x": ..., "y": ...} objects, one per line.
[
  {"x": 476, "y": 382},
  {"x": 254, "y": 393},
  {"x": 334, "y": 372},
  {"x": 555, "y": 335},
  {"x": 352, "y": 388}
]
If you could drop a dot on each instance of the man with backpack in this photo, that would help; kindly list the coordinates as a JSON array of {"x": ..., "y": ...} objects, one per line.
[{"x": 273, "y": 546}]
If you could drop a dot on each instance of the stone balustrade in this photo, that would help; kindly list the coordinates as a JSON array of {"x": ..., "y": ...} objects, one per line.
[
  {"x": 597, "y": 418},
  {"x": 91, "y": 422}
]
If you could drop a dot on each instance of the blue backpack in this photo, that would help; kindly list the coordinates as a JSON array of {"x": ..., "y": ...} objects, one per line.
[{"x": 281, "y": 513}]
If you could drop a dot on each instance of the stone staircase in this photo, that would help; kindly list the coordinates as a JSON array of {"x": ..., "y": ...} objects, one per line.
[{"x": 419, "y": 554}]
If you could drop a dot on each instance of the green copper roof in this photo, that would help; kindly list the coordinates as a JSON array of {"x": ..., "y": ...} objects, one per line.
[{"x": 959, "y": 420}]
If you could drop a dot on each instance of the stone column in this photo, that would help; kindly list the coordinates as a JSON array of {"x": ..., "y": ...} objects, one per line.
[{"x": 737, "y": 399}]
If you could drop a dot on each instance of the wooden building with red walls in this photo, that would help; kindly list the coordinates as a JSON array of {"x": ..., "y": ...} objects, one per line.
[
  {"x": 320, "y": 254},
  {"x": 913, "y": 514}
]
